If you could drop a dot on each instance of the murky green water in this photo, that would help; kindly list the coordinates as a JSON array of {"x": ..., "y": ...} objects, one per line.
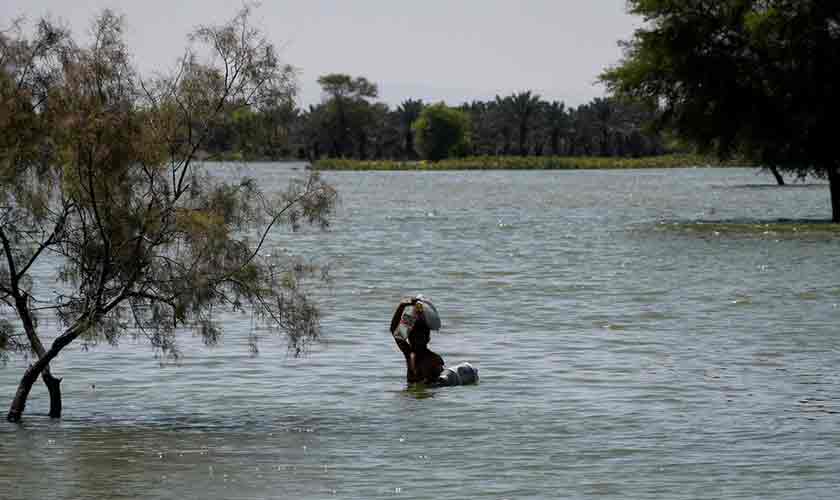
[{"x": 640, "y": 334}]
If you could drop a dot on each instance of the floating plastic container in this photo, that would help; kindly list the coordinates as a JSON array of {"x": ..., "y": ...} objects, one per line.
[{"x": 460, "y": 374}]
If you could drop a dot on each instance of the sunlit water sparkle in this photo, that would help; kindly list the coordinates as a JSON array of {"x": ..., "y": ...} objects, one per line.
[{"x": 640, "y": 334}]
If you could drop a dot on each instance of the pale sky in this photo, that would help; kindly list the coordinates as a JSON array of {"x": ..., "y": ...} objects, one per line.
[{"x": 450, "y": 50}]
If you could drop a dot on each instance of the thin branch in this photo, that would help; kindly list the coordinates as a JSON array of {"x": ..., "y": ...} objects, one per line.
[
  {"x": 106, "y": 263},
  {"x": 274, "y": 221},
  {"x": 59, "y": 225},
  {"x": 170, "y": 301},
  {"x": 10, "y": 261}
]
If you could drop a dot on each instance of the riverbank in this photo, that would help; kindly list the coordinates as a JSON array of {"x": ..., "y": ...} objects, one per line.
[
  {"x": 527, "y": 163},
  {"x": 242, "y": 157}
]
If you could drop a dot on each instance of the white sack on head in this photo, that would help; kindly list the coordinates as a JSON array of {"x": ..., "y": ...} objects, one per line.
[{"x": 429, "y": 312}]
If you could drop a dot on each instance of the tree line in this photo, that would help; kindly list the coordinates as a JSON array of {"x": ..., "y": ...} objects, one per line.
[{"x": 351, "y": 123}]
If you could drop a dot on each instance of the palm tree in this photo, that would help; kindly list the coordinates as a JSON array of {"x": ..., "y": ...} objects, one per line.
[
  {"x": 556, "y": 121},
  {"x": 408, "y": 112},
  {"x": 522, "y": 108},
  {"x": 503, "y": 117},
  {"x": 604, "y": 117}
]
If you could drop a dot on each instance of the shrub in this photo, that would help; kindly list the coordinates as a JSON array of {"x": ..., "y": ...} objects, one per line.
[{"x": 441, "y": 132}]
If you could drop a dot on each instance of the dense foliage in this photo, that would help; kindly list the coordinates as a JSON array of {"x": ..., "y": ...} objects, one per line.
[
  {"x": 351, "y": 124},
  {"x": 757, "y": 78},
  {"x": 441, "y": 132},
  {"x": 99, "y": 175}
]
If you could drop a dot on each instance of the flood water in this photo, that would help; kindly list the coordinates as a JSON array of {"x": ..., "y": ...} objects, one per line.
[{"x": 639, "y": 334}]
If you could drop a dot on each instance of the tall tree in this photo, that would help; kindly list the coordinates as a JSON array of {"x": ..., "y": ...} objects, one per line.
[
  {"x": 312, "y": 132},
  {"x": 557, "y": 122},
  {"x": 346, "y": 99},
  {"x": 604, "y": 116},
  {"x": 751, "y": 77},
  {"x": 30, "y": 70},
  {"x": 483, "y": 140},
  {"x": 386, "y": 133},
  {"x": 278, "y": 113},
  {"x": 408, "y": 112},
  {"x": 523, "y": 107},
  {"x": 101, "y": 176},
  {"x": 503, "y": 123}
]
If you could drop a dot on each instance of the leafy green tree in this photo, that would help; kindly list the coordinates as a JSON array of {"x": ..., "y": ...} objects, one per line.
[
  {"x": 255, "y": 131},
  {"x": 442, "y": 132},
  {"x": 277, "y": 114},
  {"x": 312, "y": 132},
  {"x": 347, "y": 102},
  {"x": 29, "y": 70},
  {"x": 386, "y": 132},
  {"x": 756, "y": 78},
  {"x": 99, "y": 174}
]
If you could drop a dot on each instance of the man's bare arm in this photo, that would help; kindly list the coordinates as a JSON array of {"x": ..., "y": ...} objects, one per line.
[{"x": 403, "y": 345}]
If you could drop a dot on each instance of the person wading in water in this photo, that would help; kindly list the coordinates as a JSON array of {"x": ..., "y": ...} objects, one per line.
[{"x": 411, "y": 327}]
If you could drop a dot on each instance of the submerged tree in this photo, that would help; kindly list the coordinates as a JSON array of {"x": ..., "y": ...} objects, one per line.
[
  {"x": 99, "y": 174},
  {"x": 29, "y": 71},
  {"x": 757, "y": 78}
]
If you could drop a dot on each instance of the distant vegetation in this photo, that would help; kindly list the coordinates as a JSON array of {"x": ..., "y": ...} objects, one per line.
[
  {"x": 442, "y": 132},
  {"x": 526, "y": 163},
  {"x": 351, "y": 124}
]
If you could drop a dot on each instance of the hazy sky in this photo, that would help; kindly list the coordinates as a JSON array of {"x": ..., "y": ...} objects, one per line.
[{"x": 451, "y": 50}]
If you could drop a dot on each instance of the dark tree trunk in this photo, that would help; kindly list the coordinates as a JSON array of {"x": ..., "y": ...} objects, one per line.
[
  {"x": 36, "y": 369},
  {"x": 341, "y": 136},
  {"x": 363, "y": 140},
  {"x": 506, "y": 145},
  {"x": 54, "y": 387},
  {"x": 52, "y": 383},
  {"x": 19, "y": 402},
  {"x": 779, "y": 179},
  {"x": 834, "y": 186},
  {"x": 523, "y": 140},
  {"x": 620, "y": 146},
  {"x": 605, "y": 144},
  {"x": 25, "y": 386},
  {"x": 409, "y": 146}
]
